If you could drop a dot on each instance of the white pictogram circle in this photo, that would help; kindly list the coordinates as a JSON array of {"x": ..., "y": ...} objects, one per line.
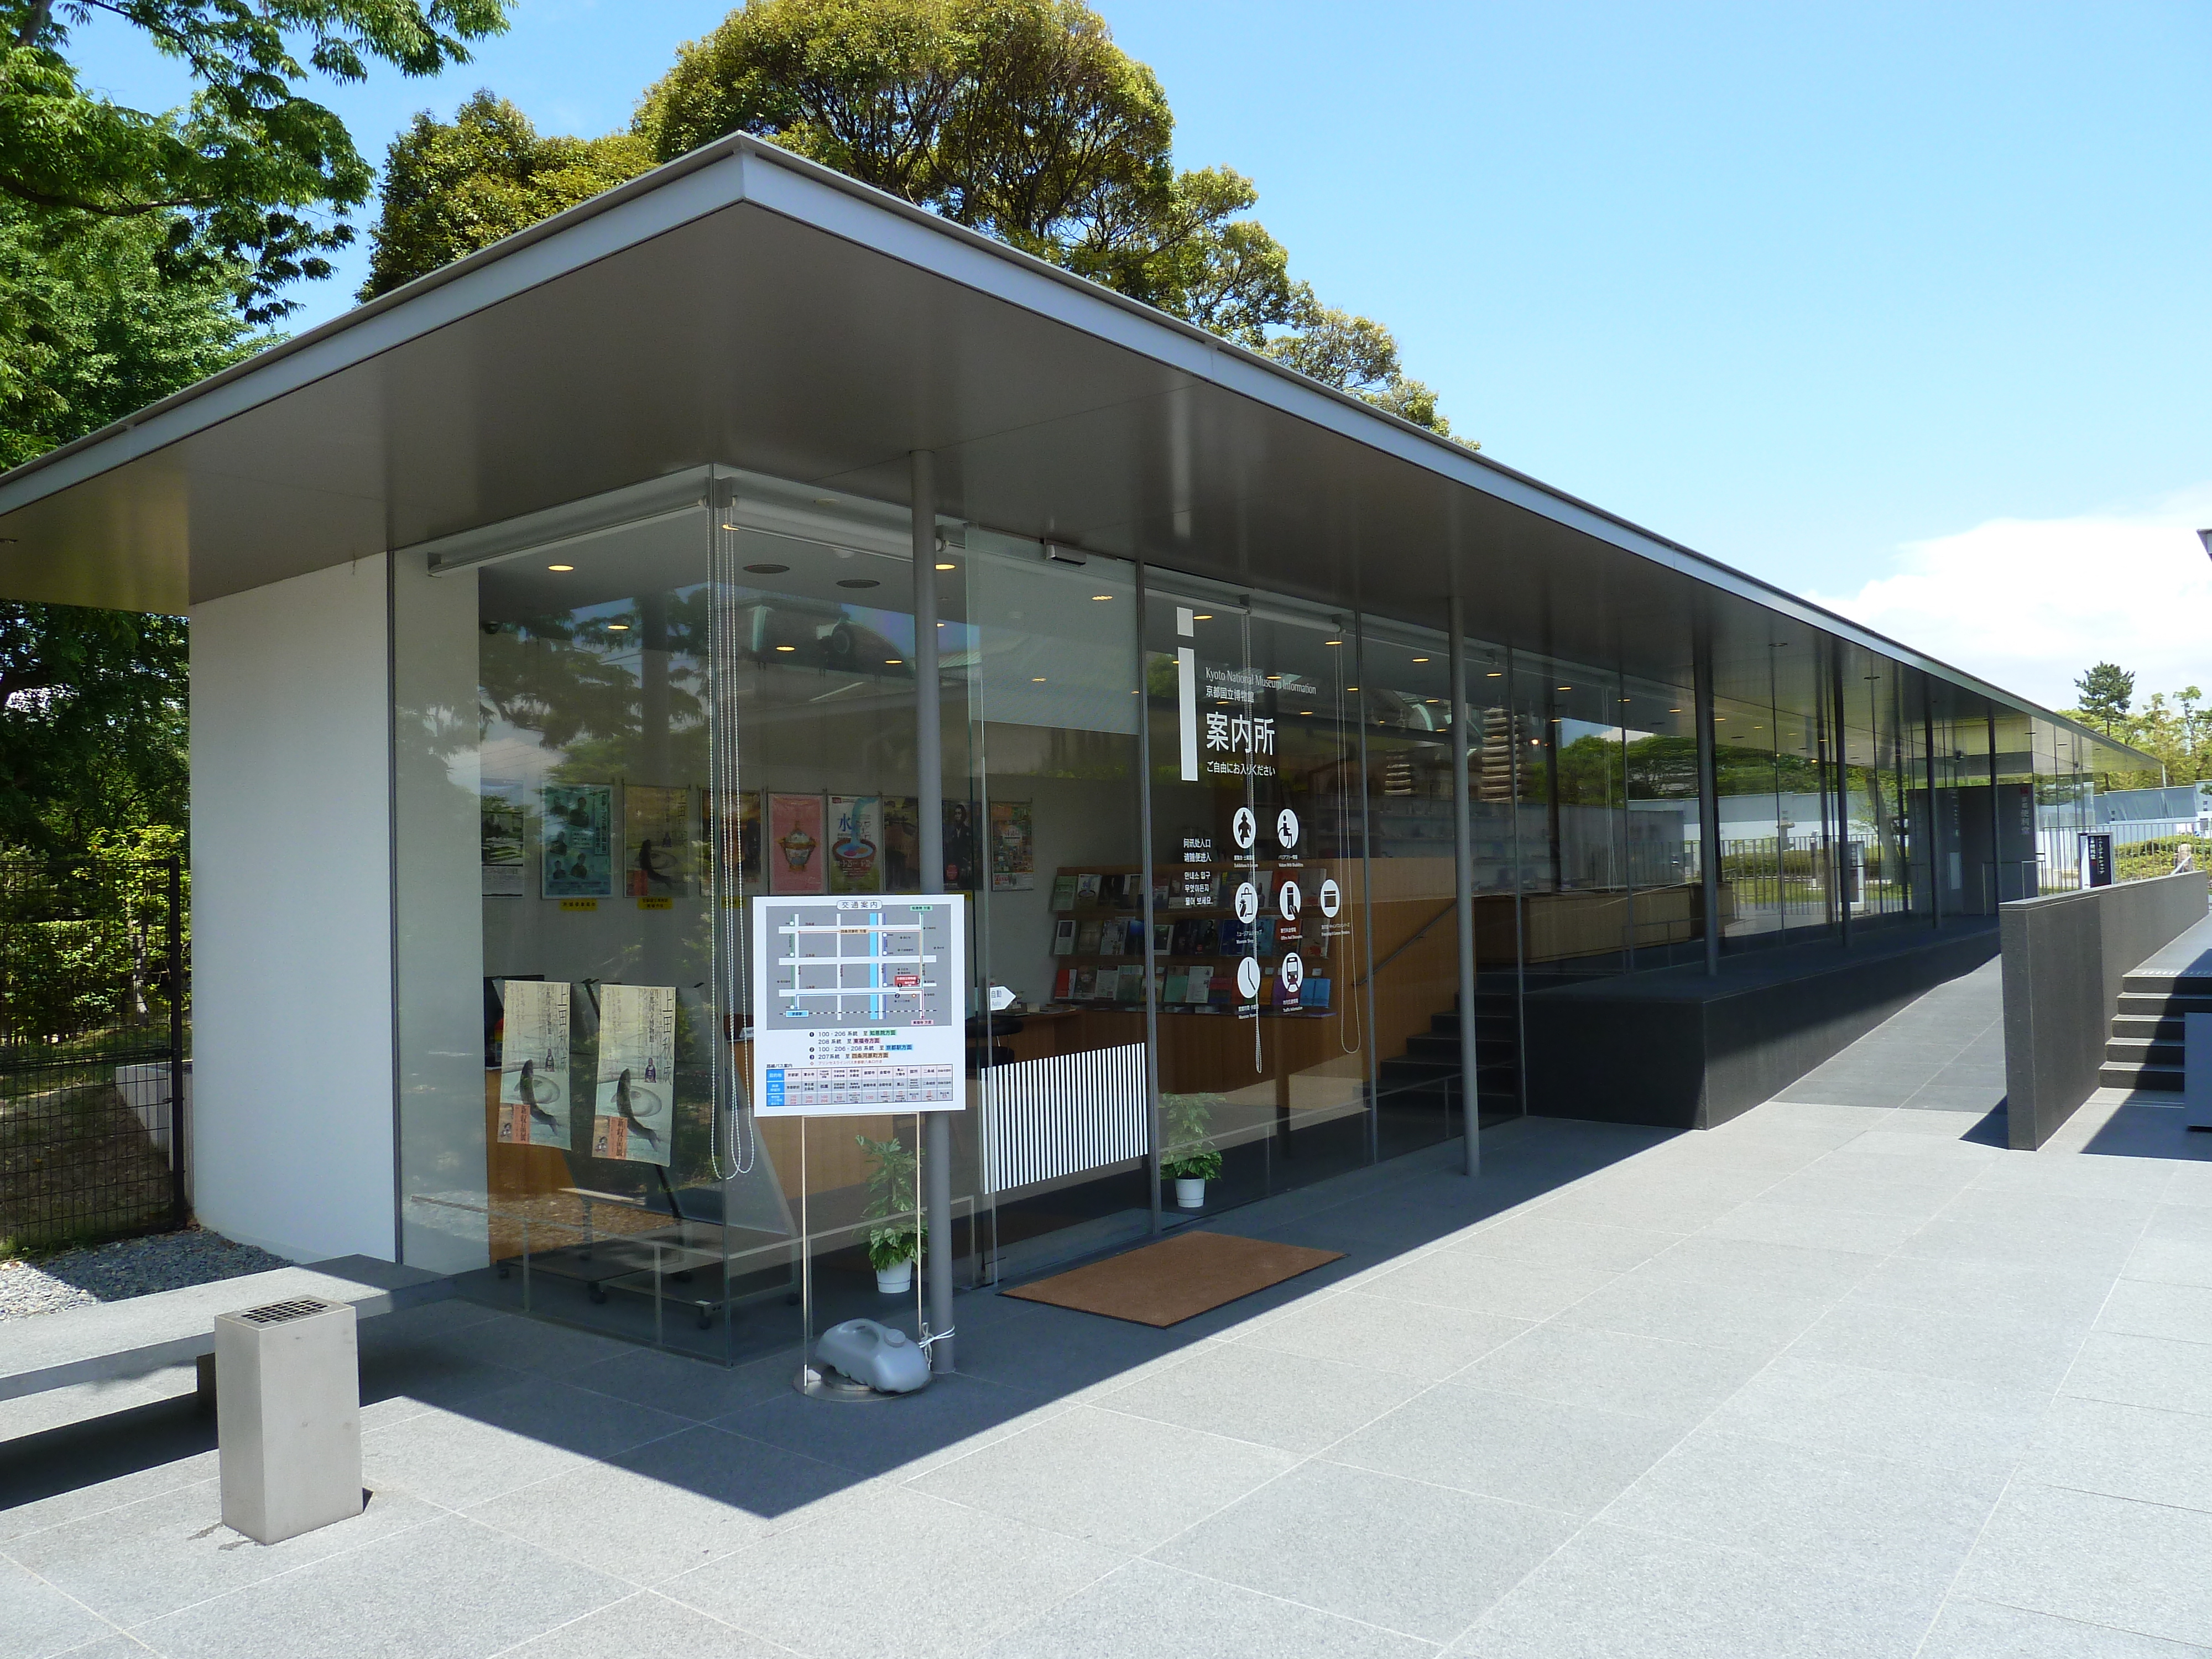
[
  {"x": 1331, "y": 897},
  {"x": 1293, "y": 973},
  {"x": 1244, "y": 828},
  {"x": 1248, "y": 902},
  {"x": 1286, "y": 828},
  {"x": 1248, "y": 978},
  {"x": 1288, "y": 900}
]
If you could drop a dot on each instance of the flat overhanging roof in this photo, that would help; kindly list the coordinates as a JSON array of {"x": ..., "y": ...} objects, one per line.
[{"x": 740, "y": 307}]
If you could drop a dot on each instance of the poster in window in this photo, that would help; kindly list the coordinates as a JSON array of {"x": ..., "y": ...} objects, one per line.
[
  {"x": 741, "y": 851},
  {"x": 501, "y": 810},
  {"x": 634, "y": 1110},
  {"x": 796, "y": 857},
  {"x": 960, "y": 848},
  {"x": 901, "y": 845},
  {"x": 856, "y": 843},
  {"x": 533, "y": 1069},
  {"x": 1014, "y": 847},
  {"x": 578, "y": 841},
  {"x": 656, "y": 840}
]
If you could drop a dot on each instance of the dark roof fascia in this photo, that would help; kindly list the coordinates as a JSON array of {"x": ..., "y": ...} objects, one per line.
[{"x": 740, "y": 168}]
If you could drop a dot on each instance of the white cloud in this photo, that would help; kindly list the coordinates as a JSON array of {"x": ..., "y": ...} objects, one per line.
[{"x": 2030, "y": 602}]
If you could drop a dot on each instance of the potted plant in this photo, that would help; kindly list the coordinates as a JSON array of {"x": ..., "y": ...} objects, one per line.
[
  {"x": 1190, "y": 1157},
  {"x": 892, "y": 1201}
]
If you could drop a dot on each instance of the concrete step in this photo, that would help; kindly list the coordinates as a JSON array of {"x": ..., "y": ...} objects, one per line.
[
  {"x": 2165, "y": 1079},
  {"x": 2166, "y": 985},
  {"x": 2135, "y": 1051},
  {"x": 2153, "y": 1027}
]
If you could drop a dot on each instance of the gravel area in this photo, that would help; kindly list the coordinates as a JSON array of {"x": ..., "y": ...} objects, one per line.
[{"x": 129, "y": 1267}]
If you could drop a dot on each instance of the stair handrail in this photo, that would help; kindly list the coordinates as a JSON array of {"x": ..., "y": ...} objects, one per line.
[{"x": 1407, "y": 944}]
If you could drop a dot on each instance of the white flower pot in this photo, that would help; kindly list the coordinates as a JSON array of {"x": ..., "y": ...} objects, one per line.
[
  {"x": 895, "y": 1281},
  {"x": 1189, "y": 1194}
]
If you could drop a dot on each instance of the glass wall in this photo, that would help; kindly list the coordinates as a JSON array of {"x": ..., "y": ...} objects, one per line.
[{"x": 1206, "y": 842}]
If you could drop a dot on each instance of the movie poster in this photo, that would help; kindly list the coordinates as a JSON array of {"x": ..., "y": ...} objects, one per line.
[
  {"x": 856, "y": 843},
  {"x": 1014, "y": 847},
  {"x": 533, "y": 1071},
  {"x": 501, "y": 812},
  {"x": 657, "y": 840},
  {"x": 796, "y": 857},
  {"x": 960, "y": 849},
  {"x": 577, "y": 842},
  {"x": 634, "y": 1115},
  {"x": 902, "y": 842},
  {"x": 741, "y": 854}
]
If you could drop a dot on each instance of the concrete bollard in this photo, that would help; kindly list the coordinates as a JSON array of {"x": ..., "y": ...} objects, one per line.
[{"x": 288, "y": 1418}]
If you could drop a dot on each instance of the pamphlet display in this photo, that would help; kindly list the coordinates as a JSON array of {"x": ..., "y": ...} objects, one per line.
[
  {"x": 859, "y": 1005},
  {"x": 578, "y": 841},
  {"x": 533, "y": 1074},
  {"x": 634, "y": 1113}
]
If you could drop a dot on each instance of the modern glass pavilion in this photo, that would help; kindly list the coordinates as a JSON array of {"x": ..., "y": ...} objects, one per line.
[{"x": 745, "y": 535}]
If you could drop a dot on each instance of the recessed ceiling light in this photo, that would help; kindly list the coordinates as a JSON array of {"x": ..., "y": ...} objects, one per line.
[
  {"x": 1420, "y": 659},
  {"x": 1038, "y": 680},
  {"x": 893, "y": 662},
  {"x": 617, "y": 628},
  {"x": 1102, "y": 596},
  {"x": 767, "y": 570},
  {"x": 1201, "y": 616},
  {"x": 948, "y": 567},
  {"x": 1673, "y": 711},
  {"x": 786, "y": 647},
  {"x": 1495, "y": 674},
  {"x": 1332, "y": 641},
  {"x": 858, "y": 581},
  {"x": 1564, "y": 688},
  {"x": 560, "y": 567}
]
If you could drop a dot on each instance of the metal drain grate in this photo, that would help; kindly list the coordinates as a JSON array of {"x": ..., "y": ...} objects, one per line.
[{"x": 276, "y": 1313}]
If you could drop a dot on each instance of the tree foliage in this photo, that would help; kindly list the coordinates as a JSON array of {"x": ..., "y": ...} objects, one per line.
[
  {"x": 450, "y": 187},
  {"x": 250, "y": 178},
  {"x": 2107, "y": 690}
]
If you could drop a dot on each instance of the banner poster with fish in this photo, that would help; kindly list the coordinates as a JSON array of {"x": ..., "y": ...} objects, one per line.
[
  {"x": 635, "y": 1114},
  {"x": 1014, "y": 847},
  {"x": 856, "y": 843},
  {"x": 578, "y": 841},
  {"x": 657, "y": 840},
  {"x": 533, "y": 1071},
  {"x": 796, "y": 855}
]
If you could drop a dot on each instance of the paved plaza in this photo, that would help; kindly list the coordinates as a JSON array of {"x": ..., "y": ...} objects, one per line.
[{"x": 1843, "y": 1378}]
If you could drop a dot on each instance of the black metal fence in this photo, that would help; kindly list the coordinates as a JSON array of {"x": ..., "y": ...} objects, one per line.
[{"x": 94, "y": 1128}]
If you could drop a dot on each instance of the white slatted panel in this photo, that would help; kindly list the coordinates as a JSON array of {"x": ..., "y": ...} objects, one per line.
[{"x": 1047, "y": 1118}]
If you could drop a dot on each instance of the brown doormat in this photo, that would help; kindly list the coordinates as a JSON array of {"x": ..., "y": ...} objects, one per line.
[{"x": 1176, "y": 1278}]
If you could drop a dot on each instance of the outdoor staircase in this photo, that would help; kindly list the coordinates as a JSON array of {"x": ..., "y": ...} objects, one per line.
[
  {"x": 1428, "y": 1072},
  {"x": 2144, "y": 1051}
]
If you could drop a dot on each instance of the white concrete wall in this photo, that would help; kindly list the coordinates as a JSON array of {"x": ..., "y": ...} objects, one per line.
[{"x": 292, "y": 990}]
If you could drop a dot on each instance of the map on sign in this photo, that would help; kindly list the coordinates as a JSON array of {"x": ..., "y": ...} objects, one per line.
[{"x": 859, "y": 1005}]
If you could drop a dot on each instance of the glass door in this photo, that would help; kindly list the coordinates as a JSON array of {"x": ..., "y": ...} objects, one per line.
[{"x": 1260, "y": 939}]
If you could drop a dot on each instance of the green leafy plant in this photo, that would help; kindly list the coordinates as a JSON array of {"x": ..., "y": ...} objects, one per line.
[
  {"x": 893, "y": 1172},
  {"x": 1187, "y": 1122}
]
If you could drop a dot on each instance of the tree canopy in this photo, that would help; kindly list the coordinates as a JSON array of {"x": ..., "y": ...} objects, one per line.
[
  {"x": 2107, "y": 690},
  {"x": 450, "y": 187},
  {"x": 250, "y": 178}
]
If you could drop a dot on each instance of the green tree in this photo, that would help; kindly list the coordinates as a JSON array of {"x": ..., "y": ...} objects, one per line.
[
  {"x": 450, "y": 187},
  {"x": 2107, "y": 691},
  {"x": 250, "y": 178}
]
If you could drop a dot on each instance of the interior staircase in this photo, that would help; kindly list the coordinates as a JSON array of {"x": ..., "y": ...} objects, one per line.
[
  {"x": 2144, "y": 1050},
  {"x": 1427, "y": 1074}
]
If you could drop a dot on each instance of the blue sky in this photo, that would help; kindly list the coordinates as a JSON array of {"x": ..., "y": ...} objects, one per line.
[{"x": 1901, "y": 305}]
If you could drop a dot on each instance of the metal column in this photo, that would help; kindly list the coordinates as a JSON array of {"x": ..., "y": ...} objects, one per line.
[
  {"x": 1709, "y": 799},
  {"x": 929, "y": 807},
  {"x": 1462, "y": 888},
  {"x": 1934, "y": 833},
  {"x": 1839, "y": 866},
  {"x": 1152, "y": 1129}
]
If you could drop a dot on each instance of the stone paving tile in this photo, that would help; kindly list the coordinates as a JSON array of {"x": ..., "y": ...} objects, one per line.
[
  {"x": 2098, "y": 1561},
  {"x": 2142, "y": 1370},
  {"x": 1982, "y": 1428},
  {"x": 2160, "y": 1457},
  {"x": 1925, "y": 1342},
  {"x": 1429, "y": 1345},
  {"x": 646, "y": 1626},
  {"x": 1293, "y": 1402},
  {"x": 1967, "y": 1629},
  {"x": 1677, "y": 1382}
]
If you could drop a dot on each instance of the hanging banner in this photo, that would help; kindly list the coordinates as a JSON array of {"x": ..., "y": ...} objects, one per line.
[
  {"x": 533, "y": 1072},
  {"x": 635, "y": 1113},
  {"x": 859, "y": 1005}
]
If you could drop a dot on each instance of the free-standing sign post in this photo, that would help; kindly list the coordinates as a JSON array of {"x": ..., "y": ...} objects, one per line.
[
  {"x": 2096, "y": 857},
  {"x": 859, "y": 1005}
]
